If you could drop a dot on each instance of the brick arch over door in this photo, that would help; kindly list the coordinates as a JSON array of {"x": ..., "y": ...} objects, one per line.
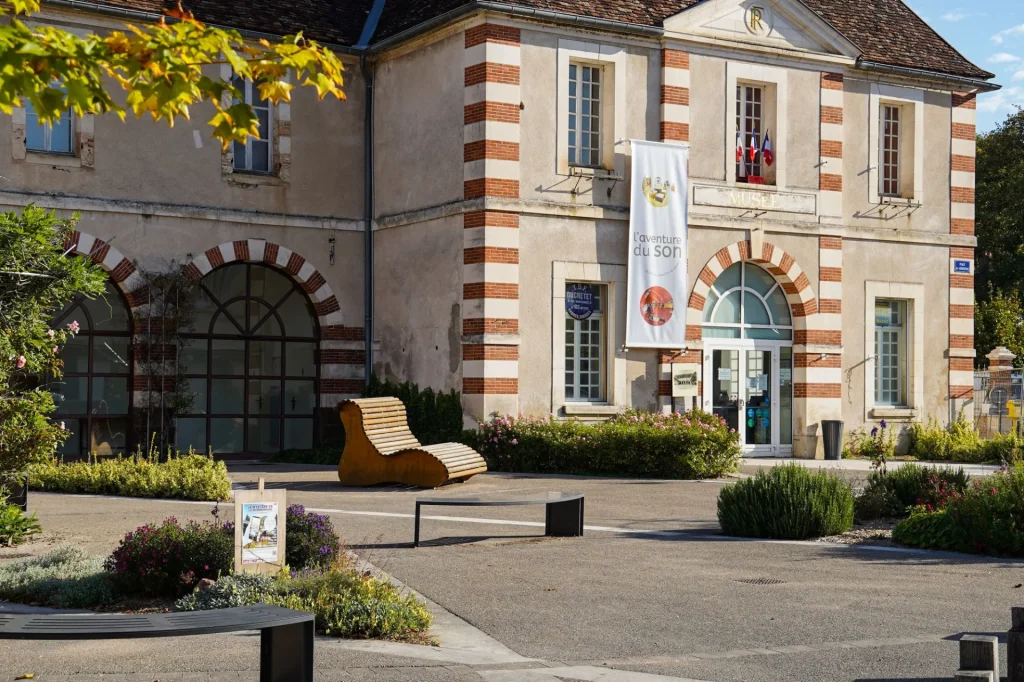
[
  {"x": 121, "y": 271},
  {"x": 792, "y": 278},
  {"x": 341, "y": 347}
]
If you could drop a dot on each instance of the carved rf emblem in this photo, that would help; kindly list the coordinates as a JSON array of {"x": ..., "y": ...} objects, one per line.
[{"x": 758, "y": 20}]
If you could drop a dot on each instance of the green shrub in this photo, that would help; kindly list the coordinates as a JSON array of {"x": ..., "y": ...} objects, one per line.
[
  {"x": 878, "y": 444},
  {"x": 987, "y": 518},
  {"x": 328, "y": 452},
  {"x": 786, "y": 502},
  {"x": 345, "y": 602},
  {"x": 643, "y": 444},
  {"x": 64, "y": 578},
  {"x": 239, "y": 589},
  {"x": 890, "y": 493},
  {"x": 188, "y": 477},
  {"x": 16, "y": 525},
  {"x": 960, "y": 442},
  {"x": 310, "y": 540},
  {"x": 170, "y": 559},
  {"x": 433, "y": 417}
]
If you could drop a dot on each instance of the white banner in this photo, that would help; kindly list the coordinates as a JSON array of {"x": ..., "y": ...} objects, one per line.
[{"x": 656, "y": 311}]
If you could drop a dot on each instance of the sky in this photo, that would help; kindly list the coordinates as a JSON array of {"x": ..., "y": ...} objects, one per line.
[{"x": 991, "y": 34}]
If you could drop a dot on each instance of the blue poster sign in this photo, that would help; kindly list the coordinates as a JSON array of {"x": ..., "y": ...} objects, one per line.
[
  {"x": 962, "y": 266},
  {"x": 579, "y": 301}
]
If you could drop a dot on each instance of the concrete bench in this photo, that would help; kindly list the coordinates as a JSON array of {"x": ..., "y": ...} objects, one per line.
[
  {"x": 563, "y": 511},
  {"x": 286, "y": 636},
  {"x": 380, "y": 448}
]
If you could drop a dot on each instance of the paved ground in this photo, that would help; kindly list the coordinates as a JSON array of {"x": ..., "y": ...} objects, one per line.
[{"x": 650, "y": 590}]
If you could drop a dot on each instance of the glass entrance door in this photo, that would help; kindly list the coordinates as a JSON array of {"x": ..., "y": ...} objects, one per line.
[{"x": 750, "y": 386}]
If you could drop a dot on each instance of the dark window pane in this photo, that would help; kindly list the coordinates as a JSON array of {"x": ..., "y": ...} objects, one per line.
[
  {"x": 299, "y": 397},
  {"x": 226, "y": 283},
  {"x": 108, "y": 311},
  {"x": 297, "y": 316},
  {"x": 239, "y": 156},
  {"x": 75, "y": 355},
  {"x": 264, "y": 397},
  {"x": 264, "y": 358},
  {"x": 260, "y": 156},
  {"x": 190, "y": 432},
  {"x": 204, "y": 308},
  {"x": 110, "y": 355},
  {"x": 192, "y": 359},
  {"x": 71, "y": 395},
  {"x": 226, "y": 435},
  {"x": 298, "y": 433},
  {"x": 73, "y": 446},
  {"x": 196, "y": 397},
  {"x": 264, "y": 435},
  {"x": 227, "y": 396},
  {"x": 109, "y": 395},
  {"x": 228, "y": 356},
  {"x": 261, "y": 322},
  {"x": 299, "y": 359},
  {"x": 229, "y": 318},
  {"x": 108, "y": 436},
  {"x": 268, "y": 284}
]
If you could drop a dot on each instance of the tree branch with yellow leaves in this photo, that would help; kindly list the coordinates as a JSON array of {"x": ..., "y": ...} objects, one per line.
[{"x": 160, "y": 67}]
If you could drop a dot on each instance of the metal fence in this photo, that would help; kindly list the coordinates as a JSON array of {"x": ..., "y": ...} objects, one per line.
[{"x": 998, "y": 401}]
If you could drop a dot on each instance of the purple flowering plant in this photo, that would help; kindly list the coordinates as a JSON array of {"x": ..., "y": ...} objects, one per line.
[{"x": 310, "y": 540}]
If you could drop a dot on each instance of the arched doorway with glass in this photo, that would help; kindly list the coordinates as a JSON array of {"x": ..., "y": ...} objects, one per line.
[
  {"x": 748, "y": 358},
  {"x": 94, "y": 397},
  {"x": 250, "y": 358}
]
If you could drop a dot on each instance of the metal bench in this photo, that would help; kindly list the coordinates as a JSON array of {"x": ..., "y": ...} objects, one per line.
[
  {"x": 286, "y": 636},
  {"x": 563, "y": 511}
]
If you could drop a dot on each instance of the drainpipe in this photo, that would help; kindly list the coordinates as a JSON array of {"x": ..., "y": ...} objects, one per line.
[{"x": 367, "y": 69}]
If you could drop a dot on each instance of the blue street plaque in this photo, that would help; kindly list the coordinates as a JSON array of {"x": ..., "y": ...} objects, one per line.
[
  {"x": 962, "y": 266},
  {"x": 579, "y": 301}
]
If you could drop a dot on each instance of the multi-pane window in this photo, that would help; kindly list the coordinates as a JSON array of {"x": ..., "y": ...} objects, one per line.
[
  {"x": 584, "y": 347},
  {"x": 890, "y": 352},
  {"x": 52, "y": 138},
  {"x": 584, "y": 115},
  {"x": 94, "y": 396},
  {"x": 251, "y": 364},
  {"x": 747, "y": 302},
  {"x": 255, "y": 154},
  {"x": 889, "y": 177},
  {"x": 749, "y": 123}
]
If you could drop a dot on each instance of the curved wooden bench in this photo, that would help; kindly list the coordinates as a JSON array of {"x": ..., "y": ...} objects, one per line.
[{"x": 380, "y": 448}]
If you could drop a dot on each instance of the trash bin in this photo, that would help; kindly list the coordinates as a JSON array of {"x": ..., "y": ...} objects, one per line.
[{"x": 832, "y": 432}]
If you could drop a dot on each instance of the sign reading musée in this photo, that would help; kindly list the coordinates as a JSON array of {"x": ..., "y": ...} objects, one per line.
[{"x": 657, "y": 254}]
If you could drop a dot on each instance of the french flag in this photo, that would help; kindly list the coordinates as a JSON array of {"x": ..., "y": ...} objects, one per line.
[
  {"x": 740, "y": 154},
  {"x": 766, "y": 150},
  {"x": 753, "y": 148}
]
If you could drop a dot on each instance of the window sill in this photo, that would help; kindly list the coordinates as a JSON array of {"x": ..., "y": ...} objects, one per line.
[
  {"x": 893, "y": 413},
  {"x": 591, "y": 409},
  {"x": 897, "y": 201},
  {"x": 53, "y": 159},
  {"x": 598, "y": 173},
  {"x": 248, "y": 179}
]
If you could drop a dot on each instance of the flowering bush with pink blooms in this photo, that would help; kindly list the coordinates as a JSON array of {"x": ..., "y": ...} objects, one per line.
[
  {"x": 636, "y": 443},
  {"x": 986, "y": 518},
  {"x": 39, "y": 278},
  {"x": 170, "y": 559}
]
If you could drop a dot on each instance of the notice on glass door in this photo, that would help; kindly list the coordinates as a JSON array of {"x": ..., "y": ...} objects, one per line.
[{"x": 725, "y": 373}]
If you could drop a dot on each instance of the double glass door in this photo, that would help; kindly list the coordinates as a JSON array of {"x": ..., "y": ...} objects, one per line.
[{"x": 750, "y": 386}]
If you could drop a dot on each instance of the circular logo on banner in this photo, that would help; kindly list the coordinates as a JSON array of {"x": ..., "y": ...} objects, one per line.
[
  {"x": 656, "y": 306},
  {"x": 579, "y": 301},
  {"x": 657, "y": 191}
]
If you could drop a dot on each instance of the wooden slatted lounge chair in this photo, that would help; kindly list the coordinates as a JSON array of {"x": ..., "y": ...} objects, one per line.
[{"x": 380, "y": 448}]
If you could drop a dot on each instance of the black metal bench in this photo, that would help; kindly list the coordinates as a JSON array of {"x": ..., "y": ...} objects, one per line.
[
  {"x": 563, "y": 511},
  {"x": 286, "y": 636}
]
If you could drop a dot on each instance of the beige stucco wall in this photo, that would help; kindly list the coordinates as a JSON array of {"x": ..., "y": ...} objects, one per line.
[
  {"x": 418, "y": 294},
  {"x": 707, "y": 118},
  {"x": 418, "y": 136}
]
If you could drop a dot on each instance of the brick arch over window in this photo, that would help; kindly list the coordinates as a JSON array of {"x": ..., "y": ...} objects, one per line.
[
  {"x": 792, "y": 278},
  {"x": 341, "y": 347},
  {"x": 121, "y": 271}
]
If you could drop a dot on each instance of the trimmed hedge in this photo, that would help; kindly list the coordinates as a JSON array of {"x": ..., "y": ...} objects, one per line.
[
  {"x": 960, "y": 442},
  {"x": 642, "y": 444},
  {"x": 786, "y": 502},
  {"x": 186, "y": 477},
  {"x": 890, "y": 494}
]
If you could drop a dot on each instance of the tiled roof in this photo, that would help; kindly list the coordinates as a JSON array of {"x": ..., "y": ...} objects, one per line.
[{"x": 885, "y": 31}]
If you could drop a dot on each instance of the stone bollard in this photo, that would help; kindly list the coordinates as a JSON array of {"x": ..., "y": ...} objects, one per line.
[
  {"x": 973, "y": 676},
  {"x": 1015, "y": 645},
  {"x": 980, "y": 653}
]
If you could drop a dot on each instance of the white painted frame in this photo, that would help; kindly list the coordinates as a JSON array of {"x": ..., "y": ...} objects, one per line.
[
  {"x": 757, "y": 74},
  {"x": 614, "y": 279},
  {"x": 913, "y": 294},
  {"x": 908, "y": 98},
  {"x": 612, "y": 59}
]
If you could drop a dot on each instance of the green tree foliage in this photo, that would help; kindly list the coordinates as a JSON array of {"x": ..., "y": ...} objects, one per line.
[
  {"x": 999, "y": 321},
  {"x": 999, "y": 276},
  {"x": 37, "y": 277},
  {"x": 163, "y": 69}
]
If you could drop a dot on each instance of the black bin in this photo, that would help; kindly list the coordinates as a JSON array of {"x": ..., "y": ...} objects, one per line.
[{"x": 832, "y": 432}]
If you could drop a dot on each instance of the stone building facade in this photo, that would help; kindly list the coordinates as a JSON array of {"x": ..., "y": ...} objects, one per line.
[{"x": 834, "y": 283}]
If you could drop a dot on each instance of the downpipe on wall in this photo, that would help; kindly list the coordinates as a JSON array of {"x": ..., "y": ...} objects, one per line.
[{"x": 367, "y": 68}]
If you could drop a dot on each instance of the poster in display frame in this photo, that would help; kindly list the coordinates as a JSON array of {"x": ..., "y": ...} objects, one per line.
[{"x": 260, "y": 529}]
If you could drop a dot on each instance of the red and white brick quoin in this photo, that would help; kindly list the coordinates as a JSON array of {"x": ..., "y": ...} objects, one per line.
[
  {"x": 830, "y": 173},
  {"x": 490, "y": 305},
  {"x": 341, "y": 347},
  {"x": 961, "y": 222}
]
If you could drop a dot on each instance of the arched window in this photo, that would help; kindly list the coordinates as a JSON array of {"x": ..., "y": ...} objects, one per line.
[
  {"x": 251, "y": 363},
  {"x": 747, "y": 302},
  {"x": 94, "y": 398}
]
